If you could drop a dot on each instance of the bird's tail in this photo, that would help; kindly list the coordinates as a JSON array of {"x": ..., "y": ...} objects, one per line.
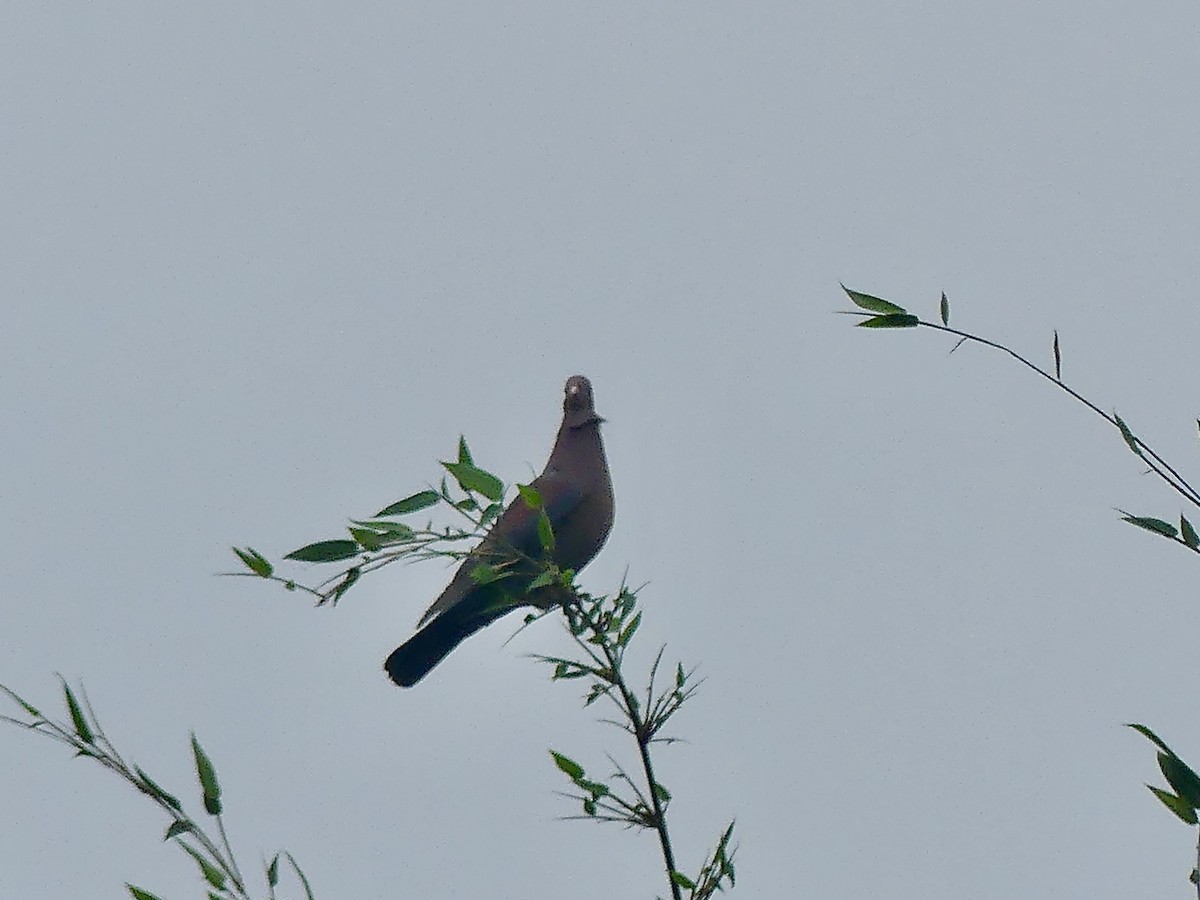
[{"x": 413, "y": 660}]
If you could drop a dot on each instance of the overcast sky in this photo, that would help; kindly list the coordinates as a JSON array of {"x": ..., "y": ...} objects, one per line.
[{"x": 263, "y": 263}]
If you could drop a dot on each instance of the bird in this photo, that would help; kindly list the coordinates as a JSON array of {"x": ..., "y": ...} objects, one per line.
[{"x": 577, "y": 496}]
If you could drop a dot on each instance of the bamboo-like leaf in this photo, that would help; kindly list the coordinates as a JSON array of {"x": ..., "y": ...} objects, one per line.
[
  {"x": 473, "y": 480},
  {"x": 273, "y": 871},
  {"x": 531, "y": 496},
  {"x": 630, "y": 630},
  {"x": 945, "y": 309},
  {"x": 392, "y": 531},
  {"x": 150, "y": 786},
  {"x": 1151, "y": 736},
  {"x": 872, "y": 303},
  {"x": 207, "y": 775},
  {"x": 1177, "y": 805},
  {"x": 1181, "y": 777},
  {"x": 211, "y": 873},
  {"x": 82, "y": 729},
  {"x": 683, "y": 881},
  {"x": 1127, "y": 434},
  {"x": 367, "y": 539},
  {"x": 140, "y": 893},
  {"x": 255, "y": 561},
  {"x": 891, "y": 320},
  {"x": 1158, "y": 526},
  {"x": 1189, "y": 533},
  {"x": 176, "y": 828},
  {"x": 414, "y": 503},
  {"x": 567, "y": 766},
  {"x": 325, "y": 551},
  {"x": 352, "y": 575},
  {"x": 464, "y": 452},
  {"x": 300, "y": 874},
  {"x": 1057, "y": 357},
  {"x": 545, "y": 531}
]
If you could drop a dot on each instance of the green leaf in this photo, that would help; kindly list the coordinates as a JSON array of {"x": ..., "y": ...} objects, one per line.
[
  {"x": 464, "y": 452},
  {"x": 1127, "y": 434},
  {"x": 568, "y": 766},
  {"x": 210, "y": 872},
  {"x": 207, "y": 776},
  {"x": 390, "y": 531},
  {"x": 629, "y": 631},
  {"x": 1181, "y": 777},
  {"x": 1177, "y": 805},
  {"x": 1151, "y": 736},
  {"x": 680, "y": 677},
  {"x": 300, "y": 874},
  {"x": 150, "y": 786},
  {"x": 473, "y": 480},
  {"x": 140, "y": 894},
  {"x": 545, "y": 531},
  {"x": 663, "y": 795},
  {"x": 531, "y": 496},
  {"x": 891, "y": 320},
  {"x": 82, "y": 730},
  {"x": 367, "y": 539},
  {"x": 1189, "y": 533},
  {"x": 872, "y": 304},
  {"x": 1158, "y": 526},
  {"x": 176, "y": 828},
  {"x": 544, "y": 578},
  {"x": 325, "y": 551},
  {"x": 945, "y": 309},
  {"x": 352, "y": 575},
  {"x": 1057, "y": 357},
  {"x": 683, "y": 881},
  {"x": 255, "y": 562},
  {"x": 273, "y": 871},
  {"x": 415, "y": 503}
]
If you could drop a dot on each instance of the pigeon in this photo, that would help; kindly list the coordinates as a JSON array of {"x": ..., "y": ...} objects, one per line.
[{"x": 577, "y": 496}]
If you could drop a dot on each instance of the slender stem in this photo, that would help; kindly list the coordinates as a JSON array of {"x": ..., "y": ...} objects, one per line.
[
  {"x": 643, "y": 734},
  {"x": 1160, "y": 466}
]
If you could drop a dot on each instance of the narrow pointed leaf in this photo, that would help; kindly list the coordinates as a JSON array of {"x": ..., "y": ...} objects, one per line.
[
  {"x": 415, "y": 503},
  {"x": 140, "y": 894},
  {"x": 464, "y": 452},
  {"x": 531, "y": 496},
  {"x": 945, "y": 309},
  {"x": 150, "y": 786},
  {"x": 300, "y": 874},
  {"x": 1151, "y": 736},
  {"x": 1127, "y": 435},
  {"x": 325, "y": 551},
  {"x": 891, "y": 320},
  {"x": 1057, "y": 357},
  {"x": 176, "y": 828},
  {"x": 367, "y": 539},
  {"x": 683, "y": 881},
  {"x": 210, "y": 872},
  {"x": 567, "y": 766},
  {"x": 545, "y": 531},
  {"x": 1158, "y": 526},
  {"x": 1181, "y": 777},
  {"x": 475, "y": 480},
  {"x": 1189, "y": 533},
  {"x": 392, "y": 531},
  {"x": 82, "y": 729},
  {"x": 352, "y": 575},
  {"x": 255, "y": 561},
  {"x": 1175, "y": 804},
  {"x": 207, "y": 776},
  {"x": 273, "y": 871},
  {"x": 630, "y": 630},
  {"x": 871, "y": 303}
]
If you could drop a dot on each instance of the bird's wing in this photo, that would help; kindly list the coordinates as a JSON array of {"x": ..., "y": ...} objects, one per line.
[{"x": 513, "y": 534}]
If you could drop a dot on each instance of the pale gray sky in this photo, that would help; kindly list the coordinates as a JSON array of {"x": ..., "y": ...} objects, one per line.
[{"x": 263, "y": 263}]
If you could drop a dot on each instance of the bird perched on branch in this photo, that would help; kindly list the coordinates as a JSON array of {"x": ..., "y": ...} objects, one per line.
[{"x": 577, "y": 496}]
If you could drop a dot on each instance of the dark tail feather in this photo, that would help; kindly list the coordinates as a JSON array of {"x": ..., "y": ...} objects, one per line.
[{"x": 413, "y": 660}]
